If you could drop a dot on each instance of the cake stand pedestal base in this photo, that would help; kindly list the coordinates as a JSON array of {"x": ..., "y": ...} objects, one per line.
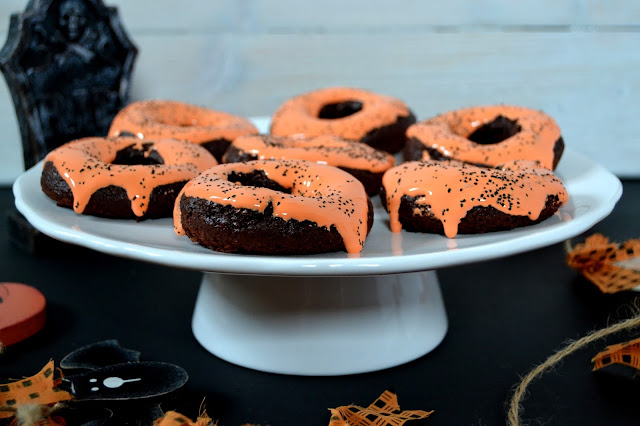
[{"x": 320, "y": 325}]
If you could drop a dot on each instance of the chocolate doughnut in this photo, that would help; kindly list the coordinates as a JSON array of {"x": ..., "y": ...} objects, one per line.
[
  {"x": 376, "y": 120},
  {"x": 123, "y": 177},
  {"x": 487, "y": 136},
  {"x": 275, "y": 207},
  {"x": 363, "y": 162},
  {"x": 451, "y": 197},
  {"x": 159, "y": 119}
]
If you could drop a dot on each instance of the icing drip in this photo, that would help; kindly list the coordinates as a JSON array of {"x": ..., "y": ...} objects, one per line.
[
  {"x": 322, "y": 194},
  {"x": 85, "y": 165},
  {"x": 449, "y": 191}
]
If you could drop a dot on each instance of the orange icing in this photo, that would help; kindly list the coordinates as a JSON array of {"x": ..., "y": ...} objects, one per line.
[
  {"x": 519, "y": 189},
  {"x": 299, "y": 115},
  {"x": 448, "y": 133},
  {"x": 326, "y": 149},
  {"x": 322, "y": 194},
  {"x": 85, "y": 165},
  {"x": 158, "y": 119}
]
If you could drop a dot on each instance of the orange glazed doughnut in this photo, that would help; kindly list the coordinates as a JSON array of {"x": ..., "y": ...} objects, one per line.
[
  {"x": 487, "y": 136},
  {"x": 157, "y": 119},
  {"x": 451, "y": 197},
  {"x": 123, "y": 177},
  {"x": 275, "y": 207},
  {"x": 376, "y": 120},
  {"x": 363, "y": 162}
]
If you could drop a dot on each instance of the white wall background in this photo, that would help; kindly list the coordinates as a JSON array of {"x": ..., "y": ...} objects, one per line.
[{"x": 578, "y": 60}]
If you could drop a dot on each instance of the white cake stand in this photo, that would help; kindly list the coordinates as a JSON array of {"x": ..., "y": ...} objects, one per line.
[{"x": 325, "y": 314}]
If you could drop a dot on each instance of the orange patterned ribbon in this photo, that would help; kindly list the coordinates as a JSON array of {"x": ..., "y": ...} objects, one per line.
[
  {"x": 36, "y": 390},
  {"x": 627, "y": 353},
  {"x": 597, "y": 259},
  {"x": 384, "y": 411}
]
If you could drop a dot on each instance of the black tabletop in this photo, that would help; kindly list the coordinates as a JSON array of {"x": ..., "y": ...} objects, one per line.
[{"x": 505, "y": 317}]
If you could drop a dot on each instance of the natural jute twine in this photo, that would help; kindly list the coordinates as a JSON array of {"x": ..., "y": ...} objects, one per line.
[{"x": 515, "y": 406}]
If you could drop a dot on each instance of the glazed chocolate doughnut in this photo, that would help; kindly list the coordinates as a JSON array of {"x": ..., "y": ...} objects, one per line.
[
  {"x": 275, "y": 207},
  {"x": 363, "y": 162},
  {"x": 451, "y": 197},
  {"x": 376, "y": 120},
  {"x": 158, "y": 119},
  {"x": 123, "y": 177},
  {"x": 487, "y": 136}
]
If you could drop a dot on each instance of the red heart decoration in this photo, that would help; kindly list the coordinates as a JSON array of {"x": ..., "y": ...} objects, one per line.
[{"x": 22, "y": 312}]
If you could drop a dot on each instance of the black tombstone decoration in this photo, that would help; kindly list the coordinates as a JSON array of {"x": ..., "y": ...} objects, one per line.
[{"x": 68, "y": 65}]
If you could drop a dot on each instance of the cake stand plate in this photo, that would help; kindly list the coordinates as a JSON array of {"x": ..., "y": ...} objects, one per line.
[{"x": 326, "y": 314}]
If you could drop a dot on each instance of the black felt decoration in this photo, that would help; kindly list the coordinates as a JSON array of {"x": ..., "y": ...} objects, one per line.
[
  {"x": 98, "y": 355},
  {"x": 119, "y": 382},
  {"x": 68, "y": 65},
  {"x": 117, "y": 386}
]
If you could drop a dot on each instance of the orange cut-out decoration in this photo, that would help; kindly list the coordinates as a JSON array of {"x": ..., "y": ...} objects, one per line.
[
  {"x": 39, "y": 389},
  {"x": 627, "y": 353},
  {"x": 384, "y": 411},
  {"x": 173, "y": 418},
  {"x": 597, "y": 259}
]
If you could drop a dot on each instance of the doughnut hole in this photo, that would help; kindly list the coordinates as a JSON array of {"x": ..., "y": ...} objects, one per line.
[
  {"x": 495, "y": 131},
  {"x": 132, "y": 155},
  {"x": 339, "y": 110},
  {"x": 257, "y": 178},
  {"x": 216, "y": 147}
]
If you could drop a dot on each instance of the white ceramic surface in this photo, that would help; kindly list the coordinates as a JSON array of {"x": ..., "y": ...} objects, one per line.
[
  {"x": 592, "y": 189},
  {"x": 320, "y": 325}
]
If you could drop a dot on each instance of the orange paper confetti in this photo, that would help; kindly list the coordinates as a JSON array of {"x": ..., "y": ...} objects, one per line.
[
  {"x": 384, "y": 411},
  {"x": 39, "y": 390},
  {"x": 597, "y": 259},
  {"x": 627, "y": 353},
  {"x": 173, "y": 418}
]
